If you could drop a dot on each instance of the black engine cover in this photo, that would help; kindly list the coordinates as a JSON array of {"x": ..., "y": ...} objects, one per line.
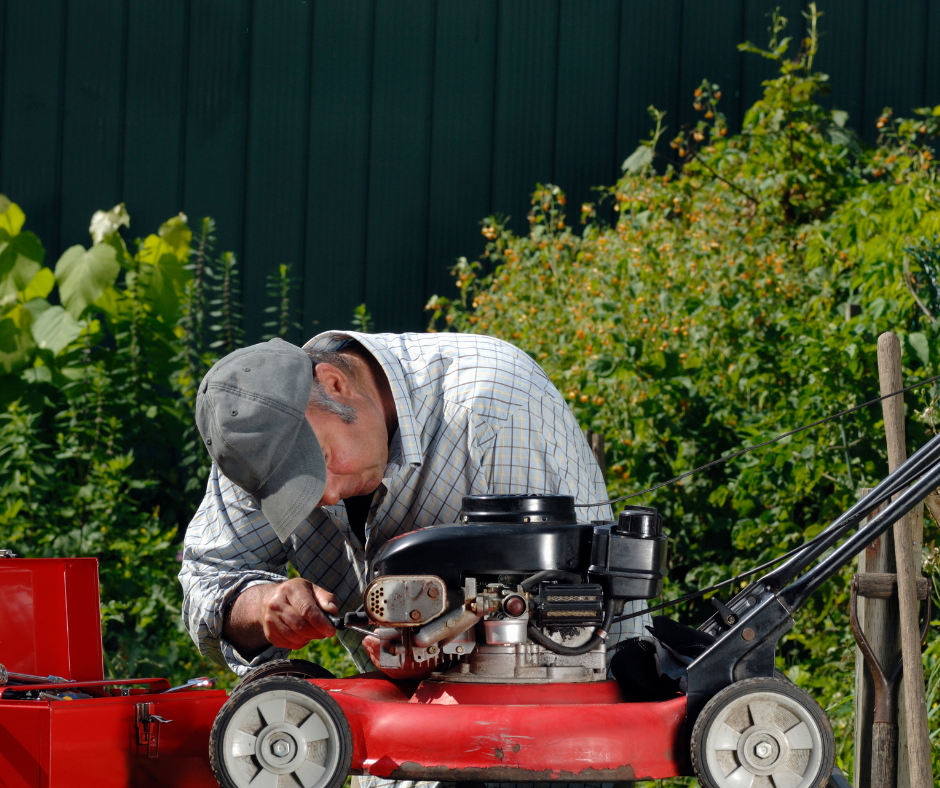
[
  {"x": 628, "y": 557},
  {"x": 455, "y": 551}
]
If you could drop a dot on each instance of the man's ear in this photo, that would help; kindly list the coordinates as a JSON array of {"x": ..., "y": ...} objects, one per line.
[{"x": 333, "y": 380}]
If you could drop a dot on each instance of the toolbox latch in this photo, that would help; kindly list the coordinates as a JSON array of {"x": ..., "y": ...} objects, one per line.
[{"x": 148, "y": 728}]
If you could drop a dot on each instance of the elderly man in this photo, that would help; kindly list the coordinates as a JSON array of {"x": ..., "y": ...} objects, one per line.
[{"x": 322, "y": 453}]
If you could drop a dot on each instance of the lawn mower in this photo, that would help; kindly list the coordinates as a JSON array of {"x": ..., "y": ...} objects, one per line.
[
  {"x": 504, "y": 615},
  {"x": 494, "y": 667}
]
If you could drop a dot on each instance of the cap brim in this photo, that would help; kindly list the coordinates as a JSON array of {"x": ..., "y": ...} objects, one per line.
[{"x": 296, "y": 486}]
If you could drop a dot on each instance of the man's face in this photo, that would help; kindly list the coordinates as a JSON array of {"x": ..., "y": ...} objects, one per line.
[{"x": 356, "y": 454}]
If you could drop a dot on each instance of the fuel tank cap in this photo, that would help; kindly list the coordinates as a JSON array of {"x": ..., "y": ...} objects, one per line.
[{"x": 520, "y": 509}]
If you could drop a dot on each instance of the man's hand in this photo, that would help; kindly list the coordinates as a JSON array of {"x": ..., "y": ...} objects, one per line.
[{"x": 287, "y": 615}]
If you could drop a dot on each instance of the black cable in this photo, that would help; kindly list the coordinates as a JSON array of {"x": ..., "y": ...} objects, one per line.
[
  {"x": 737, "y": 453},
  {"x": 600, "y": 635},
  {"x": 549, "y": 574},
  {"x": 702, "y": 591}
]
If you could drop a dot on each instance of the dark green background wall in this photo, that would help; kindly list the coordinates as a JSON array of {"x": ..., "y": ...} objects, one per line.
[{"x": 364, "y": 140}]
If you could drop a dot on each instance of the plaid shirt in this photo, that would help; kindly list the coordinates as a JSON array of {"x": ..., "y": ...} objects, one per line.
[{"x": 476, "y": 416}]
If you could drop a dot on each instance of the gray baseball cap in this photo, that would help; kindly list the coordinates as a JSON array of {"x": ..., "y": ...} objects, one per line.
[{"x": 250, "y": 412}]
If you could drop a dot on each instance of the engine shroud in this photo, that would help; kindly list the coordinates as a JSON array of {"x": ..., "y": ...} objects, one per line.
[
  {"x": 530, "y": 591},
  {"x": 522, "y": 535}
]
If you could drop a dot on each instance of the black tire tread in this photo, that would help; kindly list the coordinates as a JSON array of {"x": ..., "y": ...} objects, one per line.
[{"x": 301, "y": 668}]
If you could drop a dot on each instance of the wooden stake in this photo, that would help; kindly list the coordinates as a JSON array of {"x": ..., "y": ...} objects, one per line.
[
  {"x": 915, "y": 702},
  {"x": 596, "y": 442},
  {"x": 879, "y": 623}
]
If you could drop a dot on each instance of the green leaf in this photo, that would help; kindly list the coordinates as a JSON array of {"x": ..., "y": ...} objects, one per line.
[
  {"x": 109, "y": 301},
  {"x": 55, "y": 329},
  {"x": 16, "y": 340},
  {"x": 177, "y": 234},
  {"x": 163, "y": 284},
  {"x": 37, "y": 374},
  {"x": 84, "y": 275},
  {"x": 11, "y": 216},
  {"x": 840, "y": 117},
  {"x": 40, "y": 286},
  {"x": 20, "y": 260},
  {"x": 920, "y": 346},
  {"x": 638, "y": 161},
  {"x": 747, "y": 46},
  {"x": 877, "y": 307}
]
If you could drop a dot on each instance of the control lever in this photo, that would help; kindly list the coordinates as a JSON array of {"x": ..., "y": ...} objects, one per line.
[{"x": 346, "y": 622}]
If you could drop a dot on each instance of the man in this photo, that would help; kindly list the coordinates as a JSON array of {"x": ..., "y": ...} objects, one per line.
[{"x": 321, "y": 454}]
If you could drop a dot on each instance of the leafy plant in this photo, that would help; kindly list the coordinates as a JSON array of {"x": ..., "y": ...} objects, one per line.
[
  {"x": 225, "y": 307},
  {"x": 90, "y": 418},
  {"x": 737, "y": 293},
  {"x": 100, "y": 358},
  {"x": 282, "y": 288},
  {"x": 362, "y": 320}
]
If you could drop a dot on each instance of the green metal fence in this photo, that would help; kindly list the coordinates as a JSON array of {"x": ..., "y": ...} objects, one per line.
[{"x": 364, "y": 140}]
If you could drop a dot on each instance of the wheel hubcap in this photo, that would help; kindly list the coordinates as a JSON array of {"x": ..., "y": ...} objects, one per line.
[
  {"x": 280, "y": 733},
  {"x": 763, "y": 735},
  {"x": 280, "y": 748},
  {"x": 761, "y": 749}
]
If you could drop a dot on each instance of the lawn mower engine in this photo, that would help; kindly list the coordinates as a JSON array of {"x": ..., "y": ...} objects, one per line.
[{"x": 516, "y": 592}]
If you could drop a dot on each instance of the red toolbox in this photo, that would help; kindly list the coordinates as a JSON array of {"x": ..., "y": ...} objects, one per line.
[{"x": 62, "y": 723}]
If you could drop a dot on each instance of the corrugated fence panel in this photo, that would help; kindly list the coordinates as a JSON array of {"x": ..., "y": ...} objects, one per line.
[
  {"x": 461, "y": 135},
  {"x": 338, "y": 174},
  {"x": 33, "y": 40},
  {"x": 894, "y": 75},
  {"x": 92, "y": 132},
  {"x": 842, "y": 56},
  {"x": 157, "y": 37},
  {"x": 399, "y": 161},
  {"x": 711, "y": 32},
  {"x": 932, "y": 60},
  {"x": 217, "y": 116},
  {"x": 363, "y": 141},
  {"x": 650, "y": 56},
  {"x": 586, "y": 96},
  {"x": 276, "y": 183},
  {"x": 524, "y": 121}
]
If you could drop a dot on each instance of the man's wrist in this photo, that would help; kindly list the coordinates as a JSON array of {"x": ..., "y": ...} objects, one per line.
[{"x": 241, "y": 621}]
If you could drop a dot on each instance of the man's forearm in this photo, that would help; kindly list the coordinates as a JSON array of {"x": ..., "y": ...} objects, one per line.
[{"x": 242, "y": 626}]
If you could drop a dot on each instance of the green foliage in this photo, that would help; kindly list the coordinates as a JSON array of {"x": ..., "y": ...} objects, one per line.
[
  {"x": 737, "y": 293},
  {"x": 225, "y": 307},
  {"x": 100, "y": 358},
  {"x": 282, "y": 289},
  {"x": 362, "y": 320},
  {"x": 87, "y": 431}
]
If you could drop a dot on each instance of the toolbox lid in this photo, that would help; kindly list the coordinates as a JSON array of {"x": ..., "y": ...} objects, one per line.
[{"x": 50, "y": 618}]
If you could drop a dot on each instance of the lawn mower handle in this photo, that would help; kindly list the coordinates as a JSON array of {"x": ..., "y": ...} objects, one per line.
[
  {"x": 748, "y": 628},
  {"x": 912, "y": 482}
]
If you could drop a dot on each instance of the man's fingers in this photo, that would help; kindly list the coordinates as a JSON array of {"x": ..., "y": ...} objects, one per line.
[
  {"x": 372, "y": 647},
  {"x": 293, "y": 615},
  {"x": 311, "y": 602},
  {"x": 325, "y": 600}
]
